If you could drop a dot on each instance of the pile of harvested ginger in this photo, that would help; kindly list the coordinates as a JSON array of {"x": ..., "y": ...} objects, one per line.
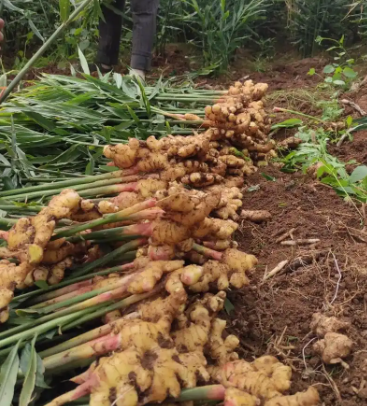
[{"x": 140, "y": 260}]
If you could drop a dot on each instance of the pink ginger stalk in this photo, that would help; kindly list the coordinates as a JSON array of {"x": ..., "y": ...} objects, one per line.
[
  {"x": 77, "y": 287},
  {"x": 77, "y": 393},
  {"x": 84, "y": 377},
  {"x": 148, "y": 214},
  {"x": 144, "y": 229},
  {"x": 66, "y": 296},
  {"x": 128, "y": 187},
  {"x": 216, "y": 392},
  {"x": 208, "y": 252},
  {"x": 63, "y": 291},
  {"x": 4, "y": 235},
  {"x": 113, "y": 294},
  {"x": 99, "y": 346}
]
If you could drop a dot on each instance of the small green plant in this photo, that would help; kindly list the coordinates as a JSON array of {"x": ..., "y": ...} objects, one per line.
[
  {"x": 265, "y": 55},
  {"x": 331, "y": 110},
  {"x": 340, "y": 73},
  {"x": 313, "y": 156}
]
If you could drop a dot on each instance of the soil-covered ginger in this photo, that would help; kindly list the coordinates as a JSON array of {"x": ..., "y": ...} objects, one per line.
[{"x": 333, "y": 348}]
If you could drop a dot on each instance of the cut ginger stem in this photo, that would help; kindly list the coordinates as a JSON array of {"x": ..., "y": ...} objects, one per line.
[
  {"x": 71, "y": 287},
  {"x": 107, "y": 218},
  {"x": 208, "y": 252},
  {"x": 97, "y": 347}
]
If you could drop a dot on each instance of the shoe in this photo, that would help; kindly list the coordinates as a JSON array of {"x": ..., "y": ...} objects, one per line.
[
  {"x": 138, "y": 74},
  {"x": 93, "y": 67}
]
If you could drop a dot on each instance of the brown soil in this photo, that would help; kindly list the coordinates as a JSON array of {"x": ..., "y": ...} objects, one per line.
[
  {"x": 273, "y": 317},
  {"x": 355, "y": 150}
]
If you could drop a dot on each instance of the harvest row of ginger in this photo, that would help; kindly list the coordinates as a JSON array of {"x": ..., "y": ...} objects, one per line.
[{"x": 181, "y": 202}]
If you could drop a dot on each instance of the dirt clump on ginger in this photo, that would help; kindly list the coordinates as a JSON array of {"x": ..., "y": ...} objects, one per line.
[
  {"x": 321, "y": 325},
  {"x": 333, "y": 348}
]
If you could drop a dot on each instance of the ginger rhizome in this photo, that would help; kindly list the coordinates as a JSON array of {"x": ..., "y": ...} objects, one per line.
[
  {"x": 263, "y": 381},
  {"x": 332, "y": 346}
]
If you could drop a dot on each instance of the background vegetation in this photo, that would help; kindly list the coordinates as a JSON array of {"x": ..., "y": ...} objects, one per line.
[{"x": 217, "y": 28}]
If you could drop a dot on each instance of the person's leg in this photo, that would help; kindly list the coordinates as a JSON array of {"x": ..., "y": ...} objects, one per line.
[
  {"x": 144, "y": 30},
  {"x": 110, "y": 35}
]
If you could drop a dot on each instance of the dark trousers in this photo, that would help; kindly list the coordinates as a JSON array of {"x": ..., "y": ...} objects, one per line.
[{"x": 144, "y": 29}]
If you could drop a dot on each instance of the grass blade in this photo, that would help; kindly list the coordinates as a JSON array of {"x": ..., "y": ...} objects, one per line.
[
  {"x": 8, "y": 376},
  {"x": 29, "y": 382}
]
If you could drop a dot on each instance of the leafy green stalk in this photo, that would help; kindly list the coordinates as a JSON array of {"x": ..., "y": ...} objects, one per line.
[{"x": 41, "y": 51}]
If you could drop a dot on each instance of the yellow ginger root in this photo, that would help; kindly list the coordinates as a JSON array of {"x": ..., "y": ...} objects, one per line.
[
  {"x": 193, "y": 333},
  {"x": 148, "y": 187},
  {"x": 167, "y": 232},
  {"x": 232, "y": 162},
  {"x": 220, "y": 245},
  {"x": 230, "y": 271},
  {"x": 233, "y": 181},
  {"x": 266, "y": 377},
  {"x": 31, "y": 235},
  {"x": 91, "y": 211},
  {"x": 280, "y": 373},
  {"x": 111, "y": 317},
  {"x": 177, "y": 226},
  {"x": 236, "y": 397},
  {"x": 152, "y": 310},
  {"x": 227, "y": 193},
  {"x": 256, "y": 216},
  {"x": 136, "y": 155},
  {"x": 138, "y": 192},
  {"x": 289, "y": 143},
  {"x": 205, "y": 205},
  {"x": 309, "y": 398},
  {"x": 179, "y": 279},
  {"x": 123, "y": 155},
  {"x": 333, "y": 348},
  {"x": 170, "y": 306},
  {"x": 52, "y": 274},
  {"x": 153, "y": 162},
  {"x": 221, "y": 349},
  {"x": 6, "y": 296},
  {"x": 231, "y": 201},
  {"x": 12, "y": 276},
  {"x": 55, "y": 254},
  {"x": 183, "y": 147},
  {"x": 238, "y": 262},
  {"x": 158, "y": 373},
  {"x": 199, "y": 179},
  {"x": 321, "y": 325},
  {"x": 177, "y": 199},
  {"x": 148, "y": 364},
  {"x": 88, "y": 211},
  {"x": 214, "y": 271},
  {"x": 151, "y": 274}
]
